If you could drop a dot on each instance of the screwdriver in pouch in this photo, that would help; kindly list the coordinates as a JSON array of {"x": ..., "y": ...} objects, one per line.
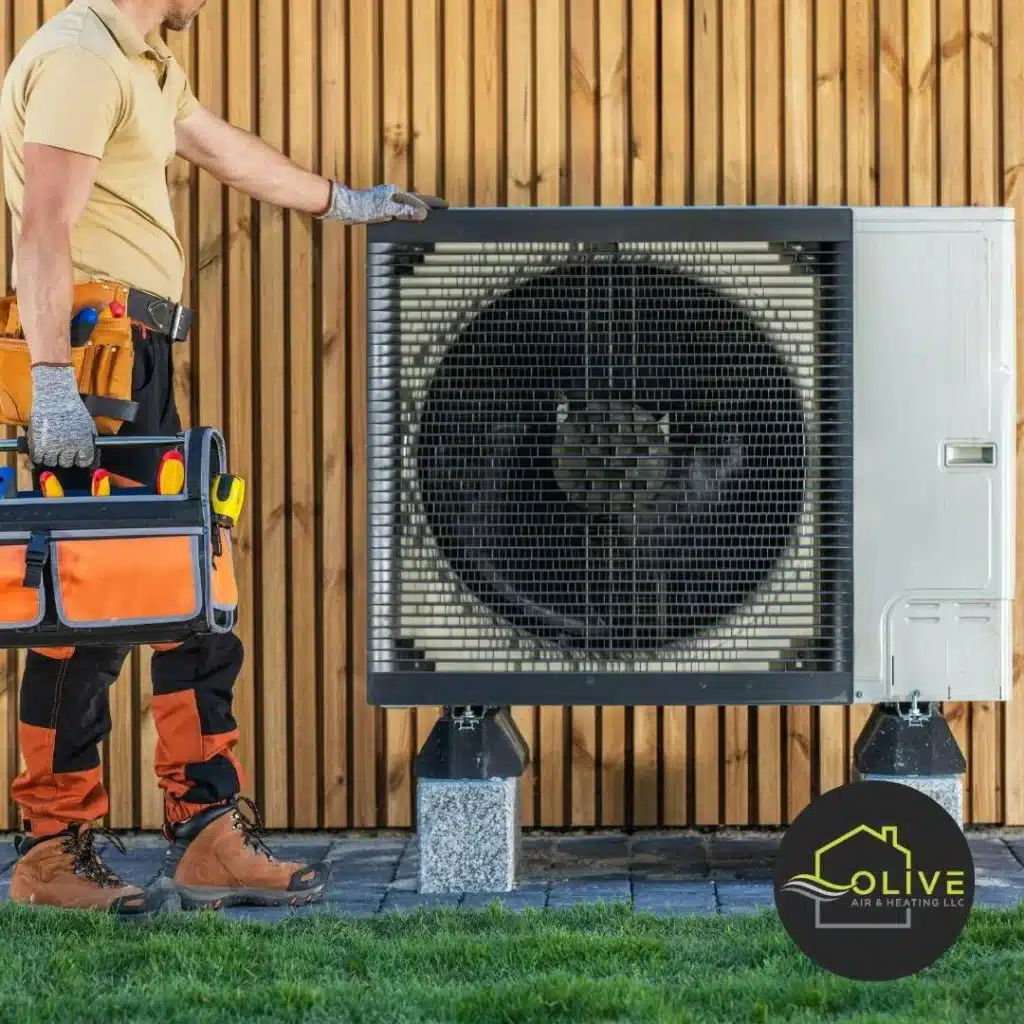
[
  {"x": 170, "y": 474},
  {"x": 50, "y": 485},
  {"x": 81, "y": 326},
  {"x": 101, "y": 483}
]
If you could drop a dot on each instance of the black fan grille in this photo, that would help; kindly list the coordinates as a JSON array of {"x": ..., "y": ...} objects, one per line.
[{"x": 609, "y": 458}]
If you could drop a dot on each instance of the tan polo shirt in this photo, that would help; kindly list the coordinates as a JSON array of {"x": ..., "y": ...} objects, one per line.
[{"x": 88, "y": 82}]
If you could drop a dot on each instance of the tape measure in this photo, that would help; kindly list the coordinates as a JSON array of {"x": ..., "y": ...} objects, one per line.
[{"x": 227, "y": 495}]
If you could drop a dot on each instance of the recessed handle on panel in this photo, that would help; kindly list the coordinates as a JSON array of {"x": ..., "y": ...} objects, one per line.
[{"x": 966, "y": 453}]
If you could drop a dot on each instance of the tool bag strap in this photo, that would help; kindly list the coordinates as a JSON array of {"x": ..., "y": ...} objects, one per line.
[
  {"x": 110, "y": 408},
  {"x": 37, "y": 554}
]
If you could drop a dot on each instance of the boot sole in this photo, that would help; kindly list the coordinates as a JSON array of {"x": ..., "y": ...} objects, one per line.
[
  {"x": 167, "y": 905},
  {"x": 214, "y": 899}
]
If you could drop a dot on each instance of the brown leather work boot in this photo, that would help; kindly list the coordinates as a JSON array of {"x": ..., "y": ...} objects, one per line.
[
  {"x": 66, "y": 871},
  {"x": 218, "y": 859}
]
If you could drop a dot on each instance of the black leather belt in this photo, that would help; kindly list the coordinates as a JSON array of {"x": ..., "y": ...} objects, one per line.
[{"x": 159, "y": 315}]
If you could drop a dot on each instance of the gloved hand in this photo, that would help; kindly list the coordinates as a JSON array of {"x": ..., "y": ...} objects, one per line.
[
  {"x": 61, "y": 432},
  {"x": 378, "y": 204}
]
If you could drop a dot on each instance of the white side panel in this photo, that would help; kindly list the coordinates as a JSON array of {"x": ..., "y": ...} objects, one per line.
[{"x": 934, "y": 452}]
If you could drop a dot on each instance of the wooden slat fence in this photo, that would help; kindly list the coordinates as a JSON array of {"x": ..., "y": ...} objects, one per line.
[{"x": 522, "y": 102}]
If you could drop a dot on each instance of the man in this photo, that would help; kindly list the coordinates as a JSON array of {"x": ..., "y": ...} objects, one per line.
[{"x": 93, "y": 108}]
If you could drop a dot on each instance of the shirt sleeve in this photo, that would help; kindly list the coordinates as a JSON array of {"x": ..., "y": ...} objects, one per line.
[
  {"x": 73, "y": 101},
  {"x": 186, "y": 100}
]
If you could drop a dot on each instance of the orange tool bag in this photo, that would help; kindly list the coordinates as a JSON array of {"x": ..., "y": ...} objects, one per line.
[{"x": 125, "y": 563}]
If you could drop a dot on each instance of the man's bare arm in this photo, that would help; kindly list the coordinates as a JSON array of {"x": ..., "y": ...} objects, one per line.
[
  {"x": 57, "y": 187},
  {"x": 245, "y": 162}
]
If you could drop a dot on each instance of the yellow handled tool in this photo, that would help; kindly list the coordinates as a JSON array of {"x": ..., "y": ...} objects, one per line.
[
  {"x": 101, "y": 484},
  {"x": 227, "y": 496},
  {"x": 50, "y": 485},
  {"x": 170, "y": 474}
]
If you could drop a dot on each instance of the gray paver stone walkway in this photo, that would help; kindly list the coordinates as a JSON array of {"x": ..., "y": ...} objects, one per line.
[{"x": 727, "y": 872}]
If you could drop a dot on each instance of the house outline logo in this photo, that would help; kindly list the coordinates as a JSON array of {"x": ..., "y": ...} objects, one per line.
[{"x": 823, "y": 891}]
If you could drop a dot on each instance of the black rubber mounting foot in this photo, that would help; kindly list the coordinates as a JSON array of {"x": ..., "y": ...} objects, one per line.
[
  {"x": 473, "y": 743},
  {"x": 894, "y": 742}
]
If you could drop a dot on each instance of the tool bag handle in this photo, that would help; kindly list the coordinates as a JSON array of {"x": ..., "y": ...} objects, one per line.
[
  {"x": 20, "y": 444},
  {"x": 204, "y": 449}
]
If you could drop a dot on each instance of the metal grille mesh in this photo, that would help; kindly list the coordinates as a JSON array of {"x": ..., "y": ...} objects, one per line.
[{"x": 589, "y": 458}]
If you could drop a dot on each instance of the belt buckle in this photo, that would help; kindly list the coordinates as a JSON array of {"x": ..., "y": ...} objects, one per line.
[
  {"x": 172, "y": 333},
  {"x": 163, "y": 311}
]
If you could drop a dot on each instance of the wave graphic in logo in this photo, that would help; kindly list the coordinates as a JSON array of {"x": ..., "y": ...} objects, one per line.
[{"x": 815, "y": 888}]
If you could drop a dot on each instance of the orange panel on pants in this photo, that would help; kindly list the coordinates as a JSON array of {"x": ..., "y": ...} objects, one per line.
[
  {"x": 186, "y": 757},
  {"x": 65, "y": 716}
]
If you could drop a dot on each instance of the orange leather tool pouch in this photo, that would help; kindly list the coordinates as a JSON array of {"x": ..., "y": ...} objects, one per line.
[{"x": 103, "y": 366}]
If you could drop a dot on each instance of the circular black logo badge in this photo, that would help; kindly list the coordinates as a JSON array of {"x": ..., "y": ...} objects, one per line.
[{"x": 874, "y": 881}]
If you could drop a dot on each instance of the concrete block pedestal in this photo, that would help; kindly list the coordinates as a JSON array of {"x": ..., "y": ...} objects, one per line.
[{"x": 467, "y": 802}]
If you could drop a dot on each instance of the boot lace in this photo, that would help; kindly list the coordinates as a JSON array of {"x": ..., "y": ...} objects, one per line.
[
  {"x": 88, "y": 863},
  {"x": 252, "y": 828}
]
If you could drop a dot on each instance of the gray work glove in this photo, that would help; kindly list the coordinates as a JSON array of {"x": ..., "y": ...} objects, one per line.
[
  {"x": 378, "y": 204},
  {"x": 61, "y": 432}
]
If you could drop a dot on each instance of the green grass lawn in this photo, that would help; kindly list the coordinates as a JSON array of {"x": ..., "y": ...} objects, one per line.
[{"x": 592, "y": 964}]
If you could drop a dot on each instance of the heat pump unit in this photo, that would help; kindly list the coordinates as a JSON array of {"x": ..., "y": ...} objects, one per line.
[{"x": 691, "y": 456}]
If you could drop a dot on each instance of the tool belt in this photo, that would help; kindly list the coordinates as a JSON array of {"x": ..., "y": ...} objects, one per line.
[
  {"x": 103, "y": 365},
  {"x": 132, "y": 567}
]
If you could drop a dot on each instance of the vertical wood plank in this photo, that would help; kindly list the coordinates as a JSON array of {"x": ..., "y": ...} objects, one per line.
[
  {"x": 365, "y": 166},
  {"x": 861, "y": 169},
  {"x": 209, "y": 336},
  {"x": 488, "y": 103},
  {"x": 861, "y": 102},
  {"x": 737, "y": 65},
  {"x": 427, "y": 161},
  {"x": 550, "y": 55},
  {"x": 118, "y": 758},
  {"x": 768, "y": 190},
  {"x": 456, "y": 115},
  {"x": 209, "y": 262},
  {"x": 954, "y": 185},
  {"x": 239, "y": 366},
  {"x": 643, "y": 149},
  {"x": 583, "y": 159},
  {"x": 333, "y": 382},
  {"x": 798, "y": 131},
  {"x": 398, "y": 724},
  {"x": 302, "y": 483},
  {"x": 922, "y": 97},
  {"x": 272, "y": 670},
  {"x": 1011, "y": 62},
  {"x": 707, "y": 136},
  {"x": 181, "y": 180},
  {"x": 986, "y": 731},
  {"x": 891, "y": 93},
  {"x": 613, "y": 126},
  {"x": 674, "y": 102},
  {"x": 833, "y": 754},
  {"x": 458, "y": 124},
  {"x": 520, "y": 189}
]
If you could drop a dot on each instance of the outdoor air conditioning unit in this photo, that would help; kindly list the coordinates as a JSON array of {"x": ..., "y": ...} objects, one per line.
[{"x": 690, "y": 456}]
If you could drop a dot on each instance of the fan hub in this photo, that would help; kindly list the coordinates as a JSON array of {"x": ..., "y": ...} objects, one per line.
[{"x": 609, "y": 456}]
